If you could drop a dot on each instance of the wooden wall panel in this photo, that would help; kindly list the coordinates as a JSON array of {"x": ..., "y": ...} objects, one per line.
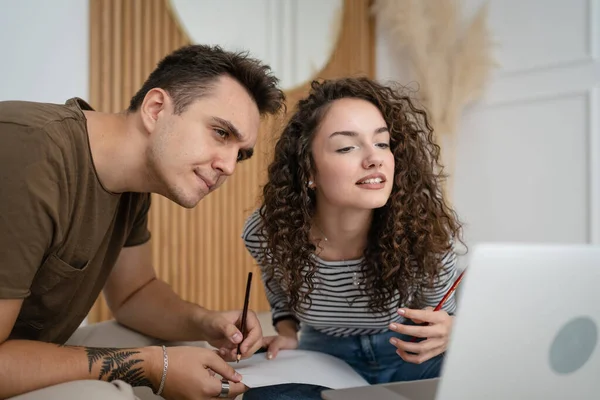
[{"x": 199, "y": 252}]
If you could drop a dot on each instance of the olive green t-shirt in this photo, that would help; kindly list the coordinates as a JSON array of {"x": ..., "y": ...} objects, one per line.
[{"x": 61, "y": 231}]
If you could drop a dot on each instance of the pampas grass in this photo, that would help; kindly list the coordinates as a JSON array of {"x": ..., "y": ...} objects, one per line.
[{"x": 450, "y": 60}]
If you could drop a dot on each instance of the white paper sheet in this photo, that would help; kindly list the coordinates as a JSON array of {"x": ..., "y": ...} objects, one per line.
[{"x": 298, "y": 366}]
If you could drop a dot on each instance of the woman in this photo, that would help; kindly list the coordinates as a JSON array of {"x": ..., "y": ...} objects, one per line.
[{"x": 354, "y": 238}]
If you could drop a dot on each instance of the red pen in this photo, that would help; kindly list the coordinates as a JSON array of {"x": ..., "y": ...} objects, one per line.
[{"x": 446, "y": 296}]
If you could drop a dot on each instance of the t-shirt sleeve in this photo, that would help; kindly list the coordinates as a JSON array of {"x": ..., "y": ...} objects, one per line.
[
  {"x": 443, "y": 282},
  {"x": 139, "y": 233},
  {"x": 254, "y": 241},
  {"x": 30, "y": 195}
]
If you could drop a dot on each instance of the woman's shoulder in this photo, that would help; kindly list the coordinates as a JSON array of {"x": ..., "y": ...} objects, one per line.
[{"x": 253, "y": 227}]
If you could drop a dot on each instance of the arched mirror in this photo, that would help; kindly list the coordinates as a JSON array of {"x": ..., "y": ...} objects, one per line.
[{"x": 295, "y": 37}]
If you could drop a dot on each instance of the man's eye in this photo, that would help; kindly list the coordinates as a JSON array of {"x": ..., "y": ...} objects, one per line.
[{"x": 222, "y": 133}]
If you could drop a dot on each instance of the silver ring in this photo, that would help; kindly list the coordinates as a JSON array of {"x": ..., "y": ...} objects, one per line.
[{"x": 224, "y": 389}]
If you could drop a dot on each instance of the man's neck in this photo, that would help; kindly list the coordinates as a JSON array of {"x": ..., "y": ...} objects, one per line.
[{"x": 117, "y": 145}]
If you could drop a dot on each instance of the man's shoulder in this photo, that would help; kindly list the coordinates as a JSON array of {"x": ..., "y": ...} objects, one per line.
[
  {"x": 44, "y": 132},
  {"x": 39, "y": 115}
]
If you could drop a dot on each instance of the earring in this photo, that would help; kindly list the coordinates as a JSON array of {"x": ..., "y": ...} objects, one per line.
[{"x": 310, "y": 184}]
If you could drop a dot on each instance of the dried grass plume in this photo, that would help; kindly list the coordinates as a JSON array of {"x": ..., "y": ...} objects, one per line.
[
  {"x": 450, "y": 59},
  {"x": 450, "y": 62}
]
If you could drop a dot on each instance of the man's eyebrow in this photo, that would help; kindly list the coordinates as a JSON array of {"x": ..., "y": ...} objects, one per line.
[
  {"x": 352, "y": 133},
  {"x": 230, "y": 127}
]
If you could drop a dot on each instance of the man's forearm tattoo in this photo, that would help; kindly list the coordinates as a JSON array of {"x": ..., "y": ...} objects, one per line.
[{"x": 118, "y": 364}]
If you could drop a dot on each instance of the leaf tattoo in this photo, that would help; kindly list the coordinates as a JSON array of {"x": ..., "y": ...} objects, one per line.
[{"x": 118, "y": 364}]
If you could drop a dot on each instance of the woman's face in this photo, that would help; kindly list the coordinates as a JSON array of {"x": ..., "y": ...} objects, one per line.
[{"x": 353, "y": 161}]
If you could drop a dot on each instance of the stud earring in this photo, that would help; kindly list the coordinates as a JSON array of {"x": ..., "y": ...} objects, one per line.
[{"x": 310, "y": 183}]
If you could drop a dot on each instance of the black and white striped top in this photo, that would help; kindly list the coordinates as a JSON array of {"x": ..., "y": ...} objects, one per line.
[{"x": 338, "y": 308}]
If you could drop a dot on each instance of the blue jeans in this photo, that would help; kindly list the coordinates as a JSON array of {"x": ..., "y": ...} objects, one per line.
[{"x": 372, "y": 356}]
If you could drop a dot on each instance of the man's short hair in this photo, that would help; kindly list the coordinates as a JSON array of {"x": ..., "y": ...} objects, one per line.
[{"x": 191, "y": 71}]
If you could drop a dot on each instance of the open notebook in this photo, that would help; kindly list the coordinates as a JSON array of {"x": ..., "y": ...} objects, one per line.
[{"x": 298, "y": 366}]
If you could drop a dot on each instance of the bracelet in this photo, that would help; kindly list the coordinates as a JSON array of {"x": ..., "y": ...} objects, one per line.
[{"x": 164, "y": 374}]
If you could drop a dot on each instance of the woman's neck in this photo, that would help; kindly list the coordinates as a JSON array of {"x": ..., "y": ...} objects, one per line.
[{"x": 341, "y": 234}]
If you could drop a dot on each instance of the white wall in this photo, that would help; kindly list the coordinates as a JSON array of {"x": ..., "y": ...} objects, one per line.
[
  {"x": 44, "y": 50},
  {"x": 528, "y": 154}
]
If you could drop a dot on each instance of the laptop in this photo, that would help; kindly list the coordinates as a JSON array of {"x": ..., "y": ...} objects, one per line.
[{"x": 527, "y": 327}]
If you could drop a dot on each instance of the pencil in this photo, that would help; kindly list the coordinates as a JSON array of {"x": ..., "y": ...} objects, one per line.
[
  {"x": 244, "y": 315},
  {"x": 445, "y": 298}
]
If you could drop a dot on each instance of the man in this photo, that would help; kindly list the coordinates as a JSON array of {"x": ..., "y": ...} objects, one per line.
[{"x": 76, "y": 187}]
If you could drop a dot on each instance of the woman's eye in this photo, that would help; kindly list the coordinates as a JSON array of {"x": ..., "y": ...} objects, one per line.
[
  {"x": 344, "y": 149},
  {"x": 383, "y": 145}
]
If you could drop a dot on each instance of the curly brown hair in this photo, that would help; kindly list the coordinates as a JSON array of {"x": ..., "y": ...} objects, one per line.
[{"x": 408, "y": 236}]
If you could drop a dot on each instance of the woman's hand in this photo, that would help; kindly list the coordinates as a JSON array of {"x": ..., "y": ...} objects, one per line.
[
  {"x": 279, "y": 342},
  {"x": 435, "y": 332}
]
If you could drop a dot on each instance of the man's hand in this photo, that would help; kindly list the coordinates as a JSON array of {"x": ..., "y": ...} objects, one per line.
[
  {"x": 191, "y": 375},
  {"x": 221, "y": 330},
  {"x": 279, "y": 342},
  {"x": 436, "y": 332}
]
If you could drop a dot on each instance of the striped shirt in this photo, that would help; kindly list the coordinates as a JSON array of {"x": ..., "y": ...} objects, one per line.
[{"x": 338, "y": 307}]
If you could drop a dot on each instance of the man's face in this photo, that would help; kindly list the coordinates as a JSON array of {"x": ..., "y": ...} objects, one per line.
[{"x": 193, "y": 153}]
